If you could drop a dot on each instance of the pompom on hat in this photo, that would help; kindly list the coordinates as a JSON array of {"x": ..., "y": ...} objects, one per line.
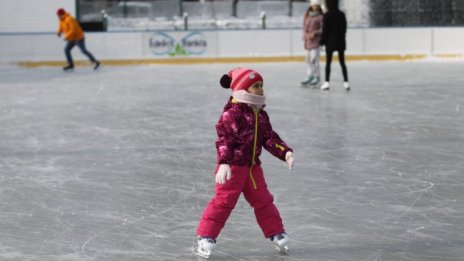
[
  {"x": 315, "y": 2},
  {"x": 240, "y": 79},
  {"x": 60, "y": 12}
]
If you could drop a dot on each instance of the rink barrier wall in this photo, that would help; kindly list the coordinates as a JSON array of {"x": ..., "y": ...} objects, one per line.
[
  {"x": 231, "y": 46},
  {"x": 32, "y": 64}
]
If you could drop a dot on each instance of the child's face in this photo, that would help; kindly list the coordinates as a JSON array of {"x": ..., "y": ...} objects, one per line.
[
  {"x": 315, "y": 8},
  {"x": 256, "y": 88}
]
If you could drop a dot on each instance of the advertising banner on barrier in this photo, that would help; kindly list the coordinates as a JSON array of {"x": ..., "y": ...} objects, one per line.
[
  {"x": 172, "y": 46},
  {"x": 180, "y": 44}
]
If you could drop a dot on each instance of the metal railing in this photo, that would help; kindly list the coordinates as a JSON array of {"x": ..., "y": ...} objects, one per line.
[
  {"x": 249, "y": 14},
  {"x": 416, "y": 13}
]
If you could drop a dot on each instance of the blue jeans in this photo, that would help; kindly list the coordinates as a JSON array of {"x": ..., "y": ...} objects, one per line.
[{"x": 81, "y": 45}]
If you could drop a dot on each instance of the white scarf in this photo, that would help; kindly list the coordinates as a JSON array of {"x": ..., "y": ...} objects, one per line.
[{"x": 249, "y": 98}]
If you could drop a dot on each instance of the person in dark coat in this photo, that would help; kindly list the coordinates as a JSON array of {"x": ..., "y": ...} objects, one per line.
[{"x": 334, "y": 39}]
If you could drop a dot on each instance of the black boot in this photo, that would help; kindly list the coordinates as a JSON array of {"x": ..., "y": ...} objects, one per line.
[
  {"x": 68, "y": 68},
  {"x": 96, "y": 65}
]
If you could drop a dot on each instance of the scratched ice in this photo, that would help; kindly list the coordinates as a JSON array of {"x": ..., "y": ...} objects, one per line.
[{"x": 118, "y": 164}]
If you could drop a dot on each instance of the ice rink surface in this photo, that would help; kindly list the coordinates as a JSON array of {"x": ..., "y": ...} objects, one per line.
[{"x": 118, "y": 164}]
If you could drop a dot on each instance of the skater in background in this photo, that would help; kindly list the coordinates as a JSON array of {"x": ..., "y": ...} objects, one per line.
[
  {"x": 333, "y": 38},
  {"x": 73, "y": 35},
  {"x": 243, "y": 130},
  {"x": 312, "y": 32}
]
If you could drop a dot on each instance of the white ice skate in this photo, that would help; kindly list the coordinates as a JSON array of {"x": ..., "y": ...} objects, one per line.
[
  {"x": 347, "y": 86},
  {"x": 281, "y": 241},
  {"x": 315, "y": 81},
  {"x": 206, "y": 246},
  {"x": 325, "y": 86},
  {"x": 307, "y": 80}
]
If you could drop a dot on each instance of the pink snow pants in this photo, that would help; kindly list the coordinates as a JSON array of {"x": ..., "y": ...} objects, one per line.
[{"x": 219, "y": 208}]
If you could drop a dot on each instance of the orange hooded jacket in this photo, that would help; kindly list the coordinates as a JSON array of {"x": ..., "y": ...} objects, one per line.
[{"x": 71, "y": 29}]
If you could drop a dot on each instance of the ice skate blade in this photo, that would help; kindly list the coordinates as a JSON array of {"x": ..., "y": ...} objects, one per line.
[
  {"x": 203, "y": 254},
  {"x": 282, "y": 250},
  {"x": 310, "y": 86}
]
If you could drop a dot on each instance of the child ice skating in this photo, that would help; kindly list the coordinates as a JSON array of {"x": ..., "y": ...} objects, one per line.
[
  {"x": 243, "y": 130},
  {"x": 312, "y": 32}
]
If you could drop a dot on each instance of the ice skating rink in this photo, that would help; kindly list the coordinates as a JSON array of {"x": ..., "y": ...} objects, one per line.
[{"x": 118, "y": 164}]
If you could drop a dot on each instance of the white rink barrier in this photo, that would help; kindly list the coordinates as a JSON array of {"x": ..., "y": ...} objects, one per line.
[{"x": 231, "y": 45}]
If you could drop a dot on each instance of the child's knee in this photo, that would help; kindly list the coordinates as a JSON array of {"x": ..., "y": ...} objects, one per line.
[
  {"x": 261, "y": 201},
  {"x": 227, "y": 200}
]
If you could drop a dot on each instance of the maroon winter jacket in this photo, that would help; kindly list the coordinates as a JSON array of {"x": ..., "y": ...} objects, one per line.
[
  {"x": 312, "y": 31},
  {"x": 242, "y": 133}
]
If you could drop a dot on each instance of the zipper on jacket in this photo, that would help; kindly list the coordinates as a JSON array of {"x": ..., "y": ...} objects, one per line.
[
  {"x": 280, "y": 147},
  {"x": 254, "y": 149}
]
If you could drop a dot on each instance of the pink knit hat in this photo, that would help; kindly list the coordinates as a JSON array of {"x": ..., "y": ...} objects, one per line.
[{"x": 240, "y": 79}]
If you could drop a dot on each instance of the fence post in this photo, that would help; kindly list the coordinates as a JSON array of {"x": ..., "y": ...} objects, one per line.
[
  {"x": 181, "y": 9},
  {"x": 124, "y": 8},
  {"x": 290, "y": 8},
  {"x": 104, "y": 17},
  {"x": 234, "y": 8},
  {"x": 78, "y": 10},
  {"x": 263, "y": 20},
  {"x": 185, "y": 17}
]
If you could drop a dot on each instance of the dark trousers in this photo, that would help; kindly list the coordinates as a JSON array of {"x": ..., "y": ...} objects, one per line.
[
  {"x": 81, "y": 45},
  {"x": 341, "y": 59}
]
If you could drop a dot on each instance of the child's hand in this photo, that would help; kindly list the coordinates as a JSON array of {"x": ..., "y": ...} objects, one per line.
[
  {"x": 223, "y": 173},
  {"x": 289, "y": 159}
]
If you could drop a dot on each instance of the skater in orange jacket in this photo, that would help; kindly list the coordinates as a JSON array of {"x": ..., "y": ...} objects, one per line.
[{"x": 73, "y": 35}]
